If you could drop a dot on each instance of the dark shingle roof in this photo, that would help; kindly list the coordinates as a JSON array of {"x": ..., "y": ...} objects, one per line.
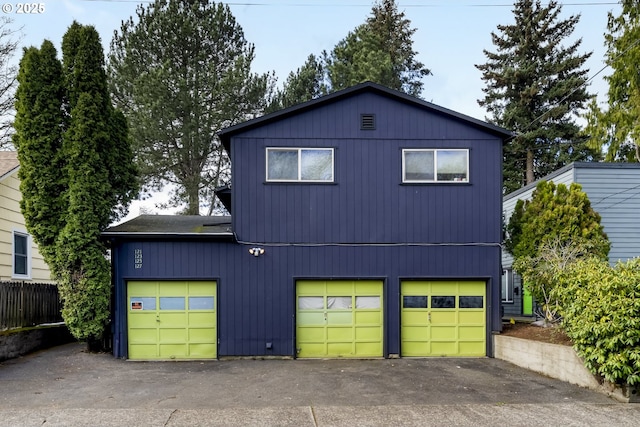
[{"x": 172, "y": 225}]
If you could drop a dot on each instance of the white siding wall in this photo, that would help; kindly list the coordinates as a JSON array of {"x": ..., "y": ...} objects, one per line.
[{"x": 11, "y": 220}]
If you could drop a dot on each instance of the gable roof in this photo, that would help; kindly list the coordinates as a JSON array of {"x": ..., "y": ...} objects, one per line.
[
  {"x": 367, "y": 87},
  {"x": 162, "y": 226},
  {"x": 8, "y": 163}
]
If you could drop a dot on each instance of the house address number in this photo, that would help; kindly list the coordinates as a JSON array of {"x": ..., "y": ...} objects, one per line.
[{"x": 137, "y": 258}]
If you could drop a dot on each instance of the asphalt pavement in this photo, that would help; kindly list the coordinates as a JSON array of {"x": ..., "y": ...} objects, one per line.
[{"x": 66, "y": 386}]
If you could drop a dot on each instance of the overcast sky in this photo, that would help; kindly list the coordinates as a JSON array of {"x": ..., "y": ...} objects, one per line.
[{"x": 450, "y": 36}]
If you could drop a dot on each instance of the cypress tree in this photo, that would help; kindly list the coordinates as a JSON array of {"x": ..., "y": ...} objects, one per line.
[
  {"x": 39, "y": 125},
  {"x": 76, "y": 169}
]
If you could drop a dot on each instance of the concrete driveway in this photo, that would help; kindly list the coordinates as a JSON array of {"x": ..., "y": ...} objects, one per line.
[{"x": 65, "y": 386}]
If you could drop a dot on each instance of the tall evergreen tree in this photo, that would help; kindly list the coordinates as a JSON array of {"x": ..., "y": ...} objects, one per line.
[
  {"x": 380, "y": 50},
  {"x": 180, "y": 72},
  {"x": 303, "y": 85},
  {"x": 617, "y": 129},
  {"x": 535, "y": 86},
  {"x": 39, "y": 126},
  {"x": 76, "y": 168}
]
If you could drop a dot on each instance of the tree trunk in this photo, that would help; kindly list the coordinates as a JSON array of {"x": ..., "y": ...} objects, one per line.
[
  {"x": 194, "y": 200},
  {"x": 529, "y": 173}
]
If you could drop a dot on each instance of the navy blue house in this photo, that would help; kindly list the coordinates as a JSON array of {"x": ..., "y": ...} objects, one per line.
[{"x": 366, "y": 223}]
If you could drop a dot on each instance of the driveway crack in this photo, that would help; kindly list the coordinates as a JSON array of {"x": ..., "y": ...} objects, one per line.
[{"x": 170, "y": 416}]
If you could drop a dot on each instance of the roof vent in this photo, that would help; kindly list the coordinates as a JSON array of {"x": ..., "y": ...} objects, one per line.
[{"x": 367, "y": 122}]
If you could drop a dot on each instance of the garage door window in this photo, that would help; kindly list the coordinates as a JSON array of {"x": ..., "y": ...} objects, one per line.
[
  {"x": 339, "y": 303},
  {"x": 414, "y": 301},
  {"x": 368, "y": 302},
  {"x": 201, "y": 303},
  {"x": 443, "y": 302},
  {"x": 310, "y": 303},
  {"x": 142, "y": 303},
  {"x": 171, "y": 303},
  {"x": 471, "y": 302}
]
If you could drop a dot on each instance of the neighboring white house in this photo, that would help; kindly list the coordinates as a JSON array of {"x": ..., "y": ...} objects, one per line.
[
  {"x": 614, "y": 192},
  {"x": 20, "y": 259}
]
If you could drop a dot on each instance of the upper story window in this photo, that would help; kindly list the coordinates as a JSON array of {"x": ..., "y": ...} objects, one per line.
[
  {"x": 21, "y": 256},
  {"x": 300, "y": 164},
  {"x": 435, "y": 165}
]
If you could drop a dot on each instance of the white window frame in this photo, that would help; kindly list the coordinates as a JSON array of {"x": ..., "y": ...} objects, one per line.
[
  {"x": 27, "y": 237},
  {"x": 435, "y": 165},
  {"x": 300, "y": 150},
  {"x": 506, "y": 286}
]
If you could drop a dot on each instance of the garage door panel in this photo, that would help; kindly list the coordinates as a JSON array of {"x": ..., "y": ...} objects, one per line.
[
  {"x": 438, "y": 317},
  {"x": 369, "y": 317},
  {"x": 143, "y": 336},
  {"x": 371, "y": 287},
  {"x": 143, "y": 351},
  {"x": 308, "y": 319},
  {"x": 339, "y": 318},
  {"x": 368, "y": 349},
  {"x": 415, "y": 318},
  {"x": 173, "y": 351},
  {"x": 470, "y": 332},
  {"x": 368, "y": 334},
  {"x": 443, "y": 318},
  {"x": 313, "y": 349},
  {"x": 202, "y": 320},
  {"x": 470, "y": 317},
  {"x": 472, "y": 348},
  {"x": 340, "y": 334},
  {"x": 165, "y": 321},
  {"x": 444, "y": 333},
  {"x": 201, "y": 351},
  {"x": 202, "y": 335},
  {"x": 332, "y": 317},
  {"x": 173, "y": 319},
  {"x": 339, "y": 349},
  {"x": 440, "y": 348}
]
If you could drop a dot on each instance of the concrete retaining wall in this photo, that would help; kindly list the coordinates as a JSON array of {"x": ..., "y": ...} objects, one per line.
[
  {"x": 555, "y": 361},
  {"x": 18, "y": 342}
]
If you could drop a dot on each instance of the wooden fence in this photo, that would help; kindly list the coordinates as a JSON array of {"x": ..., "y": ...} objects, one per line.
[{"x": 28, "y": 304}]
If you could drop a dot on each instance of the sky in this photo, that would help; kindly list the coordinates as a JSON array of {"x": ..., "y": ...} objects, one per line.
[{"x": 450, "y": 36}]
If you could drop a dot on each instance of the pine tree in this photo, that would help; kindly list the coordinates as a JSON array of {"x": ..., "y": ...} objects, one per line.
[
  {"x": 380, "y": 50},
  {"x": 617, "y": 129},
  {"x": 181, "y": 72},
  {"x": 303, "y": 85},
  {"x": 535, "y": 86}
]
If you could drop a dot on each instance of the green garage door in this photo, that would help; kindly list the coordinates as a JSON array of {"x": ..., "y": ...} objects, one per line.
[
  {"x": 339, "y": 318},
  {"x": 443, "y": 318},
  {"x": 171, "y": 320}
]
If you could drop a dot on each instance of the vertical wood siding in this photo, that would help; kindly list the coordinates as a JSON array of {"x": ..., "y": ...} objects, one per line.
[
  {"x": 368, "y": 201},
  {"x": 367, "y": 224},
  {"x": 256, "y": 295}
]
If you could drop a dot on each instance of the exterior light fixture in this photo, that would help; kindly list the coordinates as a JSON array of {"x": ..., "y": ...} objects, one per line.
[{"x": 256, "y": 251}]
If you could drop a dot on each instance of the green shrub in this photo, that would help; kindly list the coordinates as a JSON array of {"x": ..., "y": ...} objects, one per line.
[{"x": 600, "y": 306}]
